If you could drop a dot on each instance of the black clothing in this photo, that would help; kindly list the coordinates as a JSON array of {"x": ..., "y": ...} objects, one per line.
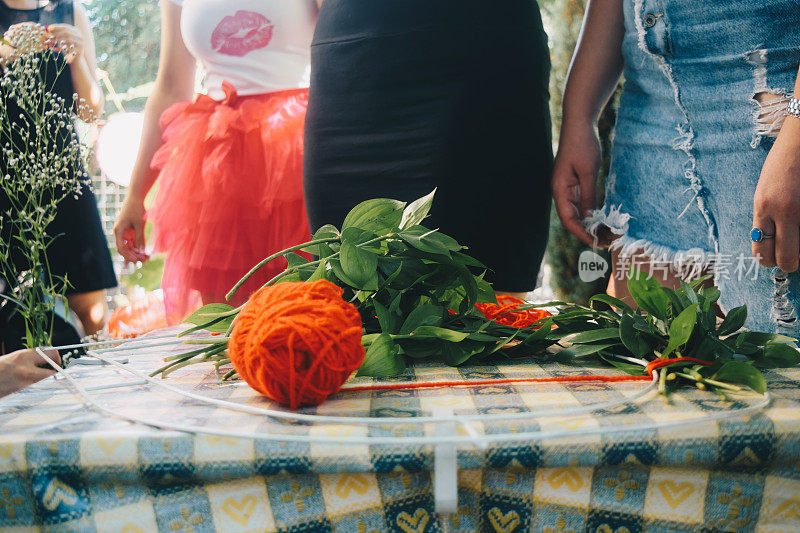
[{"x": 408, "y": 95}]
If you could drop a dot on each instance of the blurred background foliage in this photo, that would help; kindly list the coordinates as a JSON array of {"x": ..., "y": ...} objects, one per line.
[{"x": 127, "y": 36}]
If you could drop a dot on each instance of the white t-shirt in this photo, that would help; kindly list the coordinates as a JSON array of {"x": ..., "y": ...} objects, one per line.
[{"x": 258, "y": 46}]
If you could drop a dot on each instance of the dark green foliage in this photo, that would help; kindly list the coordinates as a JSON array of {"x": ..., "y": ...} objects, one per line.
[{"x": 672, "y": 324}]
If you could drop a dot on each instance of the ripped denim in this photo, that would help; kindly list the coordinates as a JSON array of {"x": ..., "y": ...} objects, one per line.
[{"x": 706, "y": 87}]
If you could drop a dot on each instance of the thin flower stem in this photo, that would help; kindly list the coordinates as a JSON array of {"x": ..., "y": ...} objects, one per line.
[
  {"x": 210, "y": 340},
  {"x": 292, "y": 270},
  {"x": 226, "y": 314},
  {"x": 272, "y": 258},
  {"x": 715, "y": 383}
]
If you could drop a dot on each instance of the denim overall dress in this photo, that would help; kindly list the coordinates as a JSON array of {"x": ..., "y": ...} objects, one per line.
[{"x": 705, "y": 94}]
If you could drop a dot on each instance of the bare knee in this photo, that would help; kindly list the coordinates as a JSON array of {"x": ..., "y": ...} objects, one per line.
[{"x": 91, "y": 309}]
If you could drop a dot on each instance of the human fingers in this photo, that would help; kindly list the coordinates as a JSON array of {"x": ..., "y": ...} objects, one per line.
[
  {"x": 787, "y": 245},
  {"x": 566, "y": 196},
  {"x": 763, "y": 245},
  {"x": 123, "y": 241}
]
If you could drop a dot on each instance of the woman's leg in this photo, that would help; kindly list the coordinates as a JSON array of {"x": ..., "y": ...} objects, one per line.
[{"x": 91, "y": 309}]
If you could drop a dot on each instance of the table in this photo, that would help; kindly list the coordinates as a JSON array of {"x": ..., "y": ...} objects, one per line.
[{"x": 65, "y": 467}]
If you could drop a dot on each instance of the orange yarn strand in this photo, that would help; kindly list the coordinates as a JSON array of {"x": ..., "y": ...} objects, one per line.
[
  {"x": 297, "y": 342},
  {"x": 650, "y": 368},
  {"x": 506, "y": 312}
]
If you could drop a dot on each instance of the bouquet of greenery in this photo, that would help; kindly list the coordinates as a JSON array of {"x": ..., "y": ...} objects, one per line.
[
  {"x": 417, "y": 290},
  {"x": 39, "y": 156}
]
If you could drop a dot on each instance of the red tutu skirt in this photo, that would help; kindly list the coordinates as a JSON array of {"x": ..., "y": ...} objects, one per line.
[{"x": 230, "y": 193}]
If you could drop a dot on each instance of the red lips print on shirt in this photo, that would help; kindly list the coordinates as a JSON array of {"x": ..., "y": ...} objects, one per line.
[{"x": 241, "y": 33}]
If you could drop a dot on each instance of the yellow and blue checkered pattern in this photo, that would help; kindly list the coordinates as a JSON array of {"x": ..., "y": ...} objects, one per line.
[{"x": 64, "y": 467}]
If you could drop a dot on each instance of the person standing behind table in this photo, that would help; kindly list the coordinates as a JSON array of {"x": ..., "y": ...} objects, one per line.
[
  {"x": 229, "y": 162},
  {"x": 409, "y": 95},
  {"x": 80, "y": 251},
  {"x": 703, "y": 147}
]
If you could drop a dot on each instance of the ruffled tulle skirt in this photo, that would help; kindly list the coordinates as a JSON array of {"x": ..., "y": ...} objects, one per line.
[{"x": 230, "y": 193}]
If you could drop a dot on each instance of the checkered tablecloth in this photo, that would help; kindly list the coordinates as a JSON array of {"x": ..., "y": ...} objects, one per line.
[{"x": 65, "y": 467}]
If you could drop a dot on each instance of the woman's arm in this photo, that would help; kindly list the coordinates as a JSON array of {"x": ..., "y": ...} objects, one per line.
[
  {"x": 76, "y": 42},
  {"x": 593, "y": 76},
  {"x": 174, "y": 83},
  {"x": 83, "y": 69},
  {"x": 776, "y": 205},
  {"x": 23, "y": 368}
]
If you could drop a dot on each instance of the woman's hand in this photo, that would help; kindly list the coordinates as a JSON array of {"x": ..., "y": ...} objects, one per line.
[
  {"x": 24, "y": 367},
  {"x": 575, "y": 177},
  {"x": 66, "y": 39},
  {"x": 777, "y": 201},
  {"x": 129, "y": 230}
]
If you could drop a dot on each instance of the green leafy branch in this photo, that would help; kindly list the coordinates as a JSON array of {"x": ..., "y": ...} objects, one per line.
[{"x": 416, "y": 291}]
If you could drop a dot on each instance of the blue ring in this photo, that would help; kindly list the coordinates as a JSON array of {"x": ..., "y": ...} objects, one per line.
[{"x": 757, "y": 235}]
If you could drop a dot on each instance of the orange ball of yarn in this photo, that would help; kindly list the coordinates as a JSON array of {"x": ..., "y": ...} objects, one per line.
[{"x": 297, "y": 342}]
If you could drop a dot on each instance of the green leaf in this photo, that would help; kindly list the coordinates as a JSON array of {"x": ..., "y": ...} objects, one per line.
[
  {"x": 382, "y": 359},
  {"x": 734, "y": 321},
  {"x": 613, "y": 302},
  {"x": 439, "y": 333},
  {"x": 356, "y": 236},
  {"x": 422, "y": 348},
  {"x": 648, "y": 294},
  {"x": 778, "y": 355},
  {"x": 699, "y": 281},
  {"x": 425, "y": 240},
  {"x": 486, "y": 294},
  {"x": 744, "y": 373},
  {"x": 710, "y": 348},
  {"x": 416, "y": 211},
  {"x": 295, "y": 260},
  {"x": 341, "y": 276},
  {"x": 584, "y": 350},
  {"x": 755, "y": 337},
  {"x": 213, "y": 324},
  {"x": 454, "y": 354},
  {"x": 424, "y": 315},
  {"x": 681, "y": 329},
  {"x": 386, "y": 319},
  {"x": 711, "y": 293},
  {"x": 633, "y": 339},
  {"x": 689, "y": 293},
  {"x": 327, "y": 231},
  {"x": 358, "y": 264},
  {"x": 596, "y": 335},
  {"x": 678, "y": 301},
  {"x": 468, "y": 260},
  {"x": 379, "y": 215},
  {"x": 319, "y": 272}
]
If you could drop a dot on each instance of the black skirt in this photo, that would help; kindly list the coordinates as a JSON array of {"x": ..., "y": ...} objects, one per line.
[{"x": 408, "y": 95}]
